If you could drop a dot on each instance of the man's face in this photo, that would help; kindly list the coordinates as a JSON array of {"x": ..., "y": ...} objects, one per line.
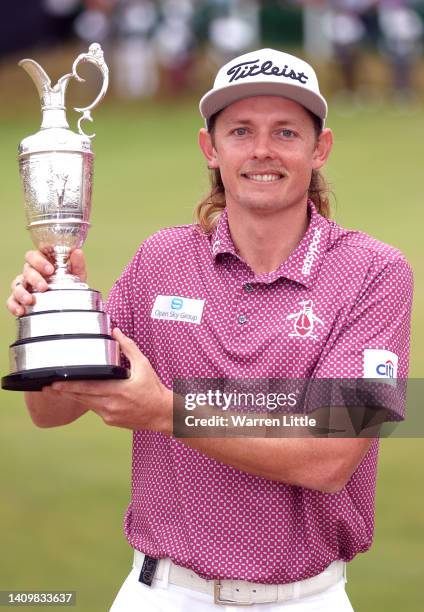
[{"x": 265, "y": 148}]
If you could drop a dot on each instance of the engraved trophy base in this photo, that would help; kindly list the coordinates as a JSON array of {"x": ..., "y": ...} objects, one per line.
[{"x": 43, "y": 354}]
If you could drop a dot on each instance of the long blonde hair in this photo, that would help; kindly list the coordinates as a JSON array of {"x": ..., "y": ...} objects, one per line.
[{"x": 209, "y": 209}]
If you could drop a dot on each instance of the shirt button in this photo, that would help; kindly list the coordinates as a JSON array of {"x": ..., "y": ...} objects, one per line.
[
  {"x": 242, "y": 319},
  {"x": 248, "y": 287}
]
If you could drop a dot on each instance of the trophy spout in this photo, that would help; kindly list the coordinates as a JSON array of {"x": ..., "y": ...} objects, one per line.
[
  {"x": 38, "y": 75},
  {"x": 52, "y": 98}
]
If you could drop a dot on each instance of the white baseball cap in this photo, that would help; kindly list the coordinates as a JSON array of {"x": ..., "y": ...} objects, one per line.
[{"x": 266, "y": 72}]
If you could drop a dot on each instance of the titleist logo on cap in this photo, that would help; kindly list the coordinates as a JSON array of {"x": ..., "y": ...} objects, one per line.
[{"x": 252, "y": 68}]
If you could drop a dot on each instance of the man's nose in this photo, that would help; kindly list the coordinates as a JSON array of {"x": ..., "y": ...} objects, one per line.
[{"x": 263, "y": 147}]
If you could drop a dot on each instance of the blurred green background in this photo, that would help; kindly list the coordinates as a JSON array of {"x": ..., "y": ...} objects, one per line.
[{"x": 64, "y": 490}]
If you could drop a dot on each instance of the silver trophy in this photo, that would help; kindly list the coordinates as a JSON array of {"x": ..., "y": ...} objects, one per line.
[{"x": 66, "y": 333}]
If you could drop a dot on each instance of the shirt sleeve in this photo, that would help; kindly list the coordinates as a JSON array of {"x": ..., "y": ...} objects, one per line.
[
  {"x": 373, "y": 339},
  {"x": 120, "y": 302}
]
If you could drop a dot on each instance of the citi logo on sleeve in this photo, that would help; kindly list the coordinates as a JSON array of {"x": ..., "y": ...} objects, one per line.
[
  {"x": 379, "y": 363},
  {"x": 386, "y": 369},
  {"x": 304, "y": 321},
  {"x": 177, "y": 308}
]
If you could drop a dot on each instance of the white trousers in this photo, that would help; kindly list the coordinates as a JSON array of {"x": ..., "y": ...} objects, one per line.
[{"x": 164, "y": 597}]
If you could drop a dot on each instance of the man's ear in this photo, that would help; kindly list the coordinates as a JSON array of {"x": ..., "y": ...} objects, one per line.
[
  {"x": 206, "y": 144},
  {"x": 322, "y": 149}
]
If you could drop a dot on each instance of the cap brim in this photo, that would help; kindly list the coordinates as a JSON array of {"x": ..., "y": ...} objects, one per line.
[{"x": 217, "y": 99}]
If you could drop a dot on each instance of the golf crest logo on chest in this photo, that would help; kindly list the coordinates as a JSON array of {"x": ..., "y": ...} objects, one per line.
[{"x": 304, "y": 321}]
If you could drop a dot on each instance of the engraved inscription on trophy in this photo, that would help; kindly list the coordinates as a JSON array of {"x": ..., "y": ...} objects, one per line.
[{"x": 60, "y": 181}]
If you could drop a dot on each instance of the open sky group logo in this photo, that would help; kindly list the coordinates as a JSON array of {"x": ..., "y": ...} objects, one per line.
[{"x": 177, "y": 303}]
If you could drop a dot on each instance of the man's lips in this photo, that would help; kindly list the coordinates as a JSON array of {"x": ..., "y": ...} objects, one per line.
[{"x": 269, "y": 176}]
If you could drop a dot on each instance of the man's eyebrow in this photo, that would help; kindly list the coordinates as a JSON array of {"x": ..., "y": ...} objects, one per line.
[
  {"x": 238, "y": 120},
  {"x": 282, "y": 122}
]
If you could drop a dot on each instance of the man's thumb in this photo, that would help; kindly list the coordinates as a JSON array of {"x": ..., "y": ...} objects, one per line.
[
  {"x": 128, "y": 346},
  {"x": 77, "y": 264}
]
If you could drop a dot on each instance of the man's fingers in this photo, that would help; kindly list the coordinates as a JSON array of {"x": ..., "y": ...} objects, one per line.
[
  {"x": 37, "y": 269},
  {"x": 18, "y": 280},
  {"x": 22, "y": 296},
  {"x": 99, "y": 388},
  {"x": 33, "y": 278},
  {"x": 128, "y": 347},
  {"x": 39, "y": 262},
  {"x": 77, "y": 264},
  {"x": 14, "y": 307},
  {"x": 19, "y": 297},
  {"x": 95, "y": 403}
]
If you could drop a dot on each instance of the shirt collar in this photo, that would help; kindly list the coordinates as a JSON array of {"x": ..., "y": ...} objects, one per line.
[
  {"x": 221, "y": 240},
  {"x": 302, "y": 265}
]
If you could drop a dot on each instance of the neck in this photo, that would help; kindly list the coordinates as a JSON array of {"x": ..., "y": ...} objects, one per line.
[{"x": 265, "y": 241}]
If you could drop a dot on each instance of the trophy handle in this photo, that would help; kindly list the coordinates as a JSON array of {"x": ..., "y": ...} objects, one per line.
[{"x": 94, "y": 56}]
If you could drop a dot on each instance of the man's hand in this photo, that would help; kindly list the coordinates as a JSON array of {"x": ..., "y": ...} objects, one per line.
[
  {"x": 37, "y": 269},
  {"x": 139, "y": 402}
]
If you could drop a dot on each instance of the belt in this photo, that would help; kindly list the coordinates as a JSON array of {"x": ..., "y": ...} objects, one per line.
[{"x": 241, "y": 592}]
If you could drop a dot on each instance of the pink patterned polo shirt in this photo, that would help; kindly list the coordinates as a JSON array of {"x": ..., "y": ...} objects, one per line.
[{"x": 207, "y": 516}]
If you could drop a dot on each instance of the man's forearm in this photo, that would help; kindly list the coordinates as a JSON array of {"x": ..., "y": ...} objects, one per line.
[
  {"x": 312, "y": 463},
  {"x": 317, "y": 463},
  {"x": 49, "y": 409}
]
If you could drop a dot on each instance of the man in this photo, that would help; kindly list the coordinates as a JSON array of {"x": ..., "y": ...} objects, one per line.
[{"x": 269, "y": 288}]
